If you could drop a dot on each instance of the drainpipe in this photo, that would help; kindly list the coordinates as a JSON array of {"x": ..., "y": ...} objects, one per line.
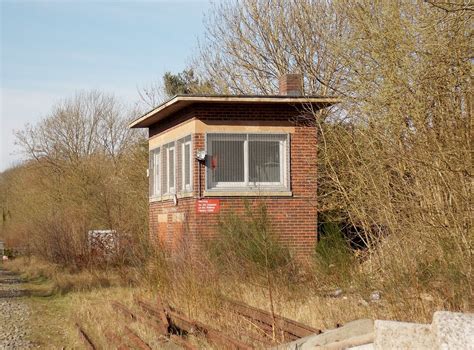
[
  {"x": 201, "y": 158},
  {"x": 199, "y": 180}
]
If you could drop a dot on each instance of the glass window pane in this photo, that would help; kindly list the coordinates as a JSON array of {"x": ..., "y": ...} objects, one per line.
[
  {"x": 264, "y": 161},
  {"x": 151, "y": 173},
  {"x": 164, "y": 171},
  {"x": 187, "y": 164},
  {"x": 227, "y": 161},
  {"x": 156, "y": 172},
  {"x": 171, "y": 168}
]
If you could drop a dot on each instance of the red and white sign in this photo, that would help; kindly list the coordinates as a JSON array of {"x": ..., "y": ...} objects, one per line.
[{"x": 204, "y": 206}]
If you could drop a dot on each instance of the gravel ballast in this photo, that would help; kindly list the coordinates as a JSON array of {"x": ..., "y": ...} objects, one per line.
[{"x": 14, "y": 313}]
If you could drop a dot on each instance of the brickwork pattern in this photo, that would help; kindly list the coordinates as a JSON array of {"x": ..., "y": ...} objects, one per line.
[
  {"x": 294, "y": 219},
  {"x": 291, "y": 84}
]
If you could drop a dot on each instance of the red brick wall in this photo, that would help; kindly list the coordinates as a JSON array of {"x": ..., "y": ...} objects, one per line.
[{"x": 294, "y": 219}]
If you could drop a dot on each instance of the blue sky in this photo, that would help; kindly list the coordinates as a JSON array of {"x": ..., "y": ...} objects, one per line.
[{"x": 50, "y": 49}]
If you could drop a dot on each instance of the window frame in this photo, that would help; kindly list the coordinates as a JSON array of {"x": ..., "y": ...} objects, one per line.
[
  {"x": 226, "y": 185},
  {"x": 176, "y": 147},
  {"x": 187, "y": 141},
  {"x": 170, "y": 146},
  {"x": 154, "y": 174},
  {"x": 284, "y": 154}
]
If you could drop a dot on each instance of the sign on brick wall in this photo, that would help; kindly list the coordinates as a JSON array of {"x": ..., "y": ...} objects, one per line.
[{"x": 208, "y": 206}]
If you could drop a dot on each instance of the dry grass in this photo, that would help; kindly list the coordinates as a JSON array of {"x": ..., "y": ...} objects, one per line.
[
  {"x": 302, "y": 303},
  {"x": 54, "y": 318},
  {"x": 195, "y": 289},
  {"x": 51, "y": 324},
  {"x": 62, "y": 280},
  {"x": 61, "y": 298}
]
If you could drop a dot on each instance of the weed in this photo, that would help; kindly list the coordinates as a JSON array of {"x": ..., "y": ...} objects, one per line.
[{"x": 248, "y": 240}]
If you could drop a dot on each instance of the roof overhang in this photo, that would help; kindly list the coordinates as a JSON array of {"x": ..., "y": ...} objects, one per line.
[{"x": 179, "y": 102}]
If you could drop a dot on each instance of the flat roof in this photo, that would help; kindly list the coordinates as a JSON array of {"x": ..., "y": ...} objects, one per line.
[{"x": 179, "y": 102}]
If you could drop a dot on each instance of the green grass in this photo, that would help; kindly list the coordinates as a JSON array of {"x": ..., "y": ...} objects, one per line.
[
  {"x": 50, "y": 323},
  {"x": 248, "y": 240},
  {"x": 334, "y": 259}
]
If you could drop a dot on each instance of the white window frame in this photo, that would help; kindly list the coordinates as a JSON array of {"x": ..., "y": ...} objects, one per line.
[
  {"x": 155, "y": 177},
  {"x": 157, "y": 172},
  {"x": 169, "y": 189},
  {"x": 160, "y": 170},
  {"x": 184, "y": 186},
  {"x": 283, "y": 147},
  {"x": 246, "y": 185},
  {"x": 238, "y": 185}
]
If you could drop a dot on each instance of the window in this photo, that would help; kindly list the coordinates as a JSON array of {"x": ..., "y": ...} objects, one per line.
[
  {"x": 186, "y": 164},
  {"x": 168, "y": 169},
  {"x": 154, "y": 172},
  {"x": 171, "y": 169},
  {"x": 265, "y": 155},
  {"x": 227, "y": 156},
  {"x": 170, "y": 188},
  {"x": 247, "y": 161}
]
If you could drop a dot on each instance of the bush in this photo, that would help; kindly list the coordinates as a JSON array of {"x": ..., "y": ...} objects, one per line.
[
  {"x": 334, "y": 258},
  {"x": 248, "y": 241}
]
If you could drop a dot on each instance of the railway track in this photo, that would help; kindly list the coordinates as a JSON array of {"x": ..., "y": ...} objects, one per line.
[{"x": 170, "y": 325}]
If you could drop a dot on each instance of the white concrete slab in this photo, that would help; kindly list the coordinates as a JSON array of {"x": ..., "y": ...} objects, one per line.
[
  {"x": 352, "y": 334},
  {"x": 402, "y": 335},
  {"x": 453, "y": 330},
  {"x": 363, "y": 347}
]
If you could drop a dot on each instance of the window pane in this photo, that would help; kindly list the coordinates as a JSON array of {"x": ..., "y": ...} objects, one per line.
[
  {"x": 156, "y": 172},
  {"x": 187, "y": 165},
  {"x": 164, "y": 171},
  {"x": 227, "y": 161},
  {"x": 171, "y": 168},
  {"x": 151, "y": 173},
  {"x": 264, "y": 161}
]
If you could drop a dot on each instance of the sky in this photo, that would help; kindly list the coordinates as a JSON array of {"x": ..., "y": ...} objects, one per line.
[{"x": 51, "y": 49}]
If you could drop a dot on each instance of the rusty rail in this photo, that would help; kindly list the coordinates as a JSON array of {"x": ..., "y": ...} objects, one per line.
[
  {"x": 161, "y": 319},
  {"x": 136, "y": 340},
  {"x": 85, "y": 338},
  {"x": 212, "y": 335},
  {"x": 172, "y": 325},
  {"x": 162, "y": 309},
  {"x": 182, "y": 342},
  {"x": 159, "y": 315},
  {"x": 119, "y": 307},
  {"x": 292, "y": 329},
  {"x": 183, "y": 323},
  {"x": 160, "y": 323},
  {"x": 117, "y": 340},
  {"x": 161, "y": 329}
]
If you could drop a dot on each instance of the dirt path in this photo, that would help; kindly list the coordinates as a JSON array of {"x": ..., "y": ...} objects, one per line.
[{"x": 14, "y": 313}]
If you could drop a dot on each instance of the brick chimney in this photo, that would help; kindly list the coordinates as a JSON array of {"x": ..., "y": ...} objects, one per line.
[{"x": 291, "y": 85}]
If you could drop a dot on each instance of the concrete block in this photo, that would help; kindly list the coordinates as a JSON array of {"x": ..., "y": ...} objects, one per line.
[
  {"x": 402, "y": 335},
  {"x": 352, "y": 334},
  {"x": 363, "y": 347},
  {"x": 452, "y": 330}
]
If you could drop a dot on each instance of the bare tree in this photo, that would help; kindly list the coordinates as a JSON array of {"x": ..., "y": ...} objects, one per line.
[
  {"x": 90, "y": 123},
  {"x": 250, "y": 43},
  {"x": 395, "y": 158},
  {"x": 151, "y": 95},
  {"x": 85, "y": 169}
]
